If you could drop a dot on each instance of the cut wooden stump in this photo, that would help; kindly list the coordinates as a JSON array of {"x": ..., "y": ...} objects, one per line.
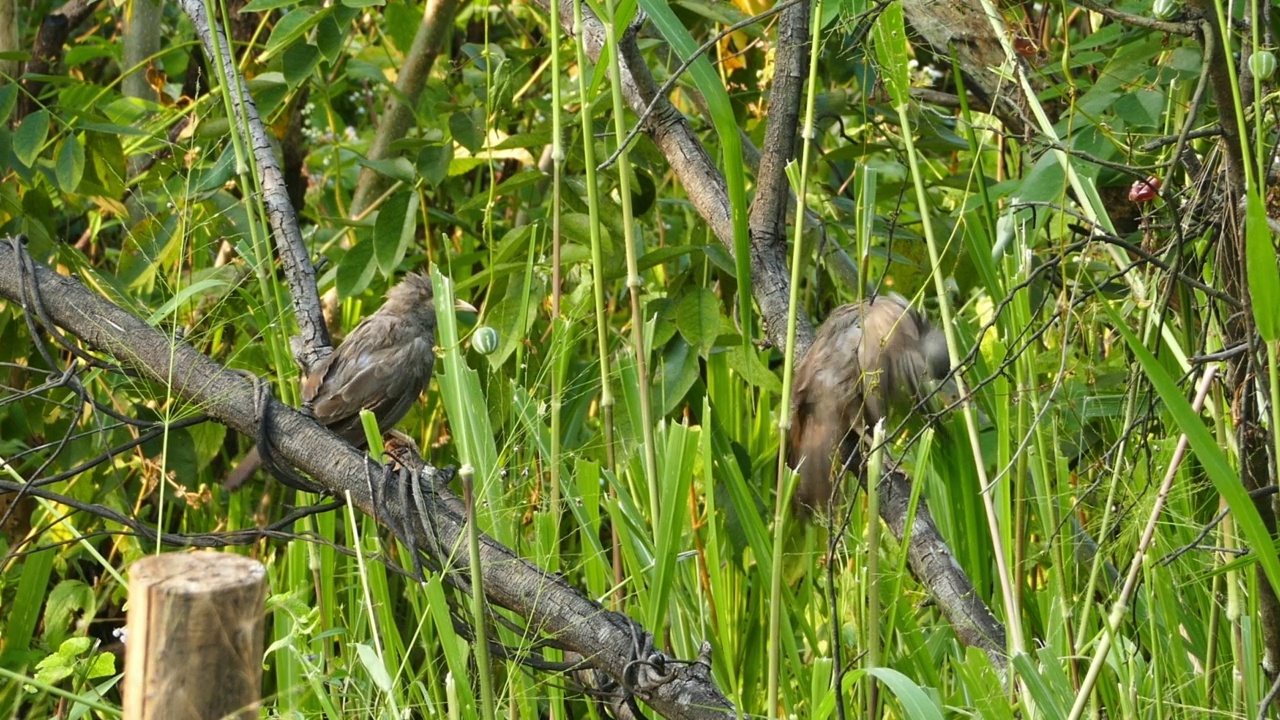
[{"x": 194, "y": 643}]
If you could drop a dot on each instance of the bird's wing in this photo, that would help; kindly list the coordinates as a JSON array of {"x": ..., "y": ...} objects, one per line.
[
  {"x": 825, "y": 392},
  {"x": 382, "y": 379},
  {"x": 892, "y": 354}
]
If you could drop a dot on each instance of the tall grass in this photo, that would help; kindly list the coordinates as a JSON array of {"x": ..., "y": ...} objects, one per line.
[{"x": 626, "y": 435}]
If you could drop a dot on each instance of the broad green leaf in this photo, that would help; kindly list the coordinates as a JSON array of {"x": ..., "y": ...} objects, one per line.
[
  {"x": 356, "y": 268},
  {"x": 676, "y": 373},
  {"x": 23, "y": 613},
  {"x": 329, "y": 38},
  {"x": 28, "y": 140},
  {"x": 8, "y": 100},
  {"x": 69, "y": 163},
  {"x": 698, "y": 319},
  {"x": 1047, "y": 704},
  {"x": 394, "y": 230},
  {"x": 915, "y": 701},
  {"x": 746, "y": 362},
  {"x": 891, "y": 51},
  {"x": 299, "y": 60},
  {"x": 294, "y": 25},
  {"x": 264, "y": 5},
  {"x": 433, "y": 163},
  {"x": 728, "y": 134},
  {"x": 397, "y": 168},
  {"x": 463, "y": 128},
  {"x": 1264, "y": 276},
  {"x": 372, "y": 664},
  {"x": 473, "y": 436},
  {"x": 679, "y": 445},
  {"x": 68, "y": 601}
]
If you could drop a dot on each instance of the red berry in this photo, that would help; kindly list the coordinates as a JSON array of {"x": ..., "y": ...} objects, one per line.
[{"x": 1144, "y": 191}]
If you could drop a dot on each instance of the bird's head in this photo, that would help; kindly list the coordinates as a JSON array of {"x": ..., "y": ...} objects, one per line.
[{"x": 414, "y": 295}]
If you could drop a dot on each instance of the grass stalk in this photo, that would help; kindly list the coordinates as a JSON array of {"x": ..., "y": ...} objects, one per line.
[
  {"x": 875, "y": 469},
  {"x": 607, "y": 401},
  {"x": 1121, "y": 605},
  {"x": 478, "y": 614},
  {"x": 635, "y": 283},
  {"x": 784, "y": 474}
]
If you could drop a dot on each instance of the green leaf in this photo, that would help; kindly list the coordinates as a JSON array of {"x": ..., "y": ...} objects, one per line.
[
  {"x": 397, "y": 168},
  {"x": 355, "y": 270},
  {"x": 891, "y": 50},
  {"x": 24, "y": 610},
  {"x": 1264, "y": 276},
  {"x": 264, "y": 5},
  {"x": 299, "y": 60},
  {"x": 394, "y": 230},
  {"x": 698, "y": 319},
  {"x": 69, "y": 165},
  {"x": 329, "y": 38},
  {"x": 745, "y": 361},
  {"x": 679, "y": 445},
  {"x": 212, "y": 177},
  {"x": 28, "y": 140},
  {"x": 294, "y": 25},
  {"x": 729, "y": 135},
  {"x": 373, "y": 665},
  {"x": 676, "y": 373},
  {"x": 1048, "y": 705},
  {"x": 102, "y": 665},
  {"x": 198, "y": 288},
  {"x": 8, "y": 100},
  {"x": 433, "y": 163},
  {"x": 915, "y": 701},
  {"x": 513, "y": 315},
  {"x": 462, "y": 127},
  {"x": 68, "y": 600}
]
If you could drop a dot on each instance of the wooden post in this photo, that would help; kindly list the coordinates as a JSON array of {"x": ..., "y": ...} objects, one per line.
[{"x": 194, "y": 646}]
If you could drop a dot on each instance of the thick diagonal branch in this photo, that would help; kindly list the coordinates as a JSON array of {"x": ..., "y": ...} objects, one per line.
[
  {"x": 313, "y": 341},
  {"x": 549, "y": 605},
  {"x": 704, "y": 184},
  {"x": 931, "y": 560}
]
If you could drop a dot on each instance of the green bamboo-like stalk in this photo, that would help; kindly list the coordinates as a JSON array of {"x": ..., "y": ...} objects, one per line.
[
  {"x": 478, "y": 617},
  {"x": 557, "y": 325},
  {"x": 597, "y": 276},
  {"x": 635, "y": 283},
  {"x": 353, "y": 523},
  {"x": 781, "y": 501},
  {"x": 890, "y": 41},
  {"x": 875, "y": 468},
  {"x": 302, "y": 559}
]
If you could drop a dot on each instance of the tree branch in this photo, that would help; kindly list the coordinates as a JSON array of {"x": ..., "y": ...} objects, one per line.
[
  {"x": 610, "y": 642},
  {"x": 931, "y": 560},
  {"x": 313, "y": 342},
  {"x": 768, "y": 217}
]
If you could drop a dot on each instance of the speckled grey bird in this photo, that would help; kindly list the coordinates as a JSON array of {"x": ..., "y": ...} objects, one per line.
[
  {"x": 869, "y": 360},
  {"x": 383, "y": 366}
]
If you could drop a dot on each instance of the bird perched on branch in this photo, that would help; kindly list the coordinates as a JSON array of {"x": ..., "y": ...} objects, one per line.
[
  {"x": 383, "y": 366},
  {"x": 868, "y": 361}
]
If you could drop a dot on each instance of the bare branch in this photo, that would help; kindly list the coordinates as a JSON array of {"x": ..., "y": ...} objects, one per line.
[
  {"x": 611, "y": 642},
  {"x": 313, "y": 342}
]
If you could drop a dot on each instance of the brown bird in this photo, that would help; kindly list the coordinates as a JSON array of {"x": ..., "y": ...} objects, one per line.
[
  {"x": 383, "y": 366},
  {"x": 869, "y": 359}
]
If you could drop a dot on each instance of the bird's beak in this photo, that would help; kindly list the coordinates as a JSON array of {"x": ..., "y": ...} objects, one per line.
[{"x": 461, "y": 305}]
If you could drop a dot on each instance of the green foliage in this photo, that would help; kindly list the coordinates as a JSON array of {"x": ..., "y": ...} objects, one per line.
[{"x": 1077, "y": 360}]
